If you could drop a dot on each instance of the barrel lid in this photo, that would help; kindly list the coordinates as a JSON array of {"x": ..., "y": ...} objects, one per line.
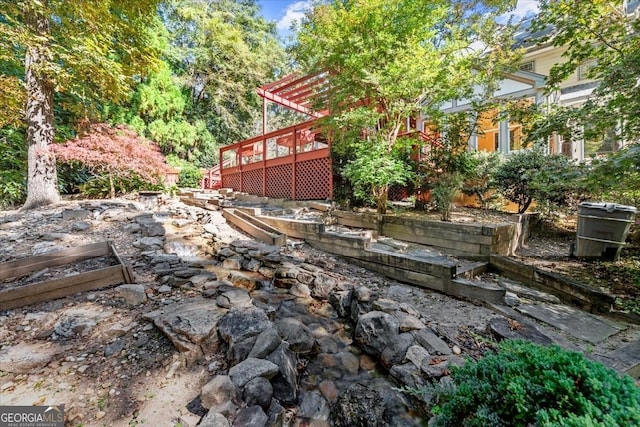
[{"x": 609, "y": 207}]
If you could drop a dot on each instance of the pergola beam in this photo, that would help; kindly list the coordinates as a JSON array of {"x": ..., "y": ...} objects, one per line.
[{"x": 287, "y": 103}]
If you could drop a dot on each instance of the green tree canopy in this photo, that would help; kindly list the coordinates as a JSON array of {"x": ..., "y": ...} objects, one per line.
[
  {"x": 83, "y": 51},
  {"x": 606, "y": 35},
  {"x": 222, "y": 50},
  {"x": 388, "y": 60}
]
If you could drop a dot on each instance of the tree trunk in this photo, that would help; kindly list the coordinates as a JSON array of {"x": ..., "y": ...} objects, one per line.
[
  {"x": 42, "y": 180},
  {"x": 382, "y": 195},
  {"x": 112, "y": 188}
]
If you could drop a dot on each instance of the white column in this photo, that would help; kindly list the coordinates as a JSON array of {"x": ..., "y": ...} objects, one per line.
[{"x": 503, "y": 136}]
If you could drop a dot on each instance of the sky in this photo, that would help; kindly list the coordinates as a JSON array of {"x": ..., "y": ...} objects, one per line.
[{"x": 284, "y": 12}]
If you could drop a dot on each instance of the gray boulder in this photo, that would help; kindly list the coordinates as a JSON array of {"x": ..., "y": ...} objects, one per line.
[
  {"x": 149, "y": 243},
  {"x": 431, "y": 342},
  {"x": 266, "y": 342},
  {"x": 241, "y": 323},
  {"x": 219, "y": 395},
  {"x": 375, "y": 331},
  {"x": 252, "y": 416},
  {"x": 395, "y": 352},
  {"x": 213, "y": 419},
  {"x": 258, "y": 391},
  {"x": 191, "y": 325},
  {"x": 252, "y": 368},
  {"x": 285, "y": 383},
  {"x": 132, "y": 295},
  {"x": 296, "y": 334},
  {"x": 314, "y": 407}
]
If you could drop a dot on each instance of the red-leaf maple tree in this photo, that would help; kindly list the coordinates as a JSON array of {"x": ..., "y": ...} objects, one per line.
[{"x": 114, "y": 151}]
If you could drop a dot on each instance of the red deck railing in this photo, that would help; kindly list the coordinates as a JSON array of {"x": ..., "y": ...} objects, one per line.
[{"x": 292, "y": 163}]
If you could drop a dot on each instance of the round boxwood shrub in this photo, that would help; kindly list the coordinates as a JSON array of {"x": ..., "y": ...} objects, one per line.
[{"x": 525, "y": 384}]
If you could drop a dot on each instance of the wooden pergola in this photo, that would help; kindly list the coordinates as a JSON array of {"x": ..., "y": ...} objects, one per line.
[{"x": 293, "y": 162}]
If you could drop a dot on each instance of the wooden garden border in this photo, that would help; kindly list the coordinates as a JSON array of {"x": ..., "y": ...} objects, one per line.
[{"x": 64, "y": 286}]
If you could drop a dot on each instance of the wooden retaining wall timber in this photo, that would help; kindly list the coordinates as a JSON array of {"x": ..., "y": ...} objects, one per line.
[
  {"x": 568, "y": 290},
  {"x": 469, "y": 240},
  {"x": 254, "y": 227},
  {"x": 294, "y": 228},
  {"x": 19, "y": 296}
]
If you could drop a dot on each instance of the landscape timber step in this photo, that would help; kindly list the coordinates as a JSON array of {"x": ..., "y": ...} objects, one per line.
[
  {"x": 254, "y": 227},
  {"x": 437, "y": 273},
  {"x": 568, "y": 290},
  {"x": 19, "y": 296},
  {"x": 208, "y": 204},
  {"x": 472, "y": 270}
]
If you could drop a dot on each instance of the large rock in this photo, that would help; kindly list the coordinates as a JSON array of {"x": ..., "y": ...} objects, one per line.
[
  {"x": 285, "y": 383},
  {"x": 79, "y": 321},
  {"x": 28, "y": 358},
  {"x": 236, "y": 297},
  {"x": 149, "y": 243},
  {"x": 323, "y": 285},
  {"x": 219, "y": 395},
  {"x": 314, "y": 407},
  {"x": 191, "y": 325},
  {"x": 431, "y": 342},
  {"x": 267, "y": 342},
  {"x": 502, "y": 328},
  {"x": 239, "y": 350},
  {"x": 395, "y": 352},
  {"x": 248, "y": 281},
  {"x": 252, "y": 368},
  {"x": 153, "y": 229},
  {"x": 132, "y": 295},
  {"x": 296, "y": 334},
  {"x": 258, "y": 391},
  {"x": 375, "y": 331},
  {"x": 341, "y": 301},
  {"x": 407, "y": 374},
  {"x": 252, "y": 416},
  {"x": 242, "y": 323},
  {"x": 276, "y": 414},
  {"x": 359, "y": 406},
  {"x": 213, "y": 419}
]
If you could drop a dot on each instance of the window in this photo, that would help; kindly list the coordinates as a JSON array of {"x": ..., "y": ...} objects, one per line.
[
  {"x": 528, "y": 66},
  {"x": 585, "y": 67}
]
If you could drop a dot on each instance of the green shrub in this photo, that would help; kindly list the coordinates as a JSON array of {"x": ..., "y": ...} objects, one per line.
[
  {"x": 13, "y": 167},
  {"x": 616, "y": 178},
  {"x": 478, "y": 181},
  {"x": 550, "y": 179},
  {"x": 444, "y": 191},
  {"x": 525, "y": 384},
  {"x": 190, "y": 176}
]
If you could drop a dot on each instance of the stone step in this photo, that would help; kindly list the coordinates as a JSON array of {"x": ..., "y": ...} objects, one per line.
[{"x": 576, "y": 323}]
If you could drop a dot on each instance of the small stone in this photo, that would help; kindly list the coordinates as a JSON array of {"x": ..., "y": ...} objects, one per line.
[
  {"x": 511, "y": 299},
  {"x": 164, "y": 289},
  {"x": 367, "y": 363},
  {"x": 329, "y": 390},
  {"x": 416, "y": 355},
  {"x": 363, "y": 294},
  {"x": 456, "y": 350},
  {"x": 114, "y": 348},
  {"x": 133, "y": 295},
  {"x": 100, "y": 415},
  {"x": 80, "y": 226},
  {"x": 259, "y": 392}
]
